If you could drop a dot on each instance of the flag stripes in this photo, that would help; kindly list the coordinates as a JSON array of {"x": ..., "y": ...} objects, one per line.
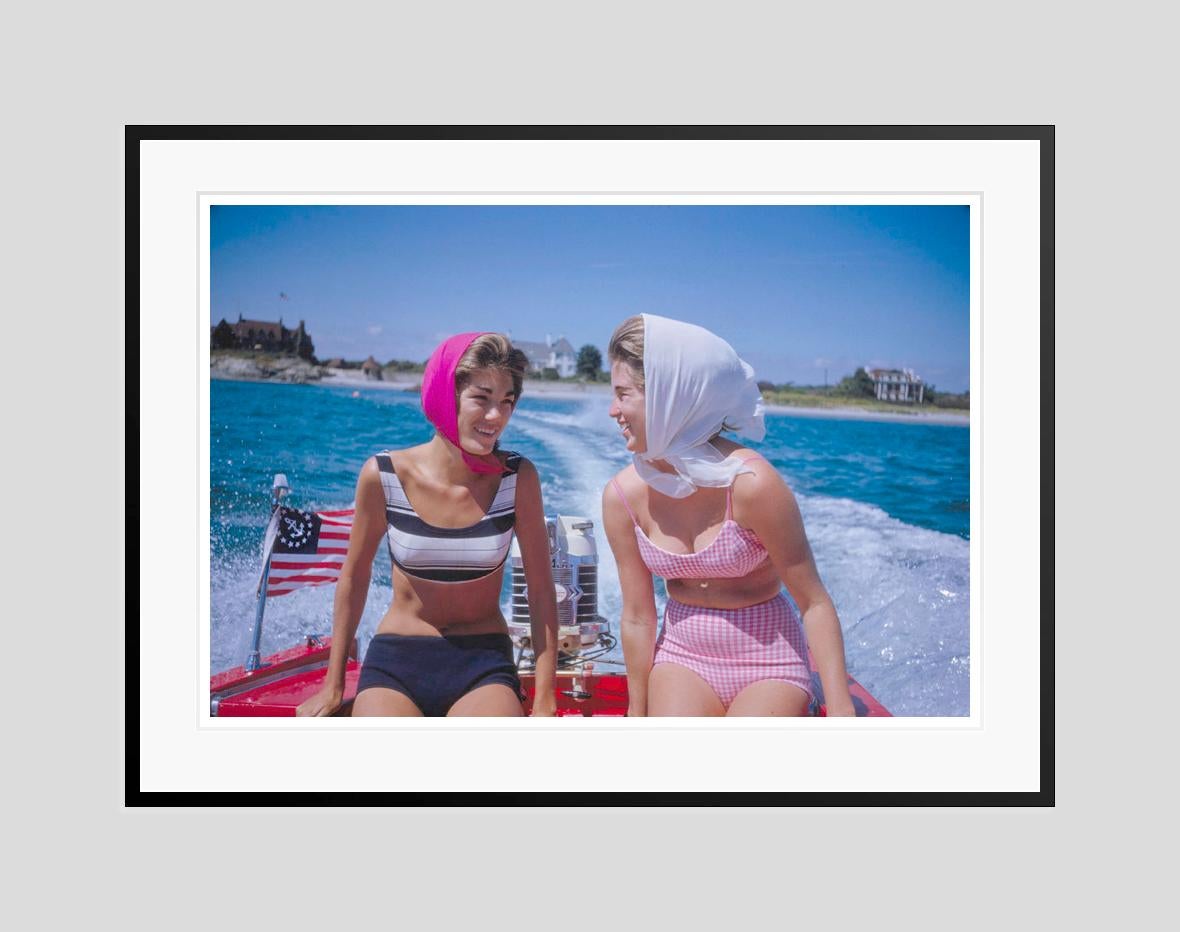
[{"x": 306, "y": 548}]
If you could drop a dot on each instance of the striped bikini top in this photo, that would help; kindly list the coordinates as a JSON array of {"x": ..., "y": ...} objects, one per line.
[
  {"x": 735, "y": 551},
  {"x": 446, "y": 554}
]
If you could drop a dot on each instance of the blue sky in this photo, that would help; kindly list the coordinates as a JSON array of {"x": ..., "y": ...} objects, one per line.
[{"x": 795, "y": 289}]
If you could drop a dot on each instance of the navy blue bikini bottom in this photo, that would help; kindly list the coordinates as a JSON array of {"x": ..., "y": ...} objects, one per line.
[{"x": 435, "y": 672}]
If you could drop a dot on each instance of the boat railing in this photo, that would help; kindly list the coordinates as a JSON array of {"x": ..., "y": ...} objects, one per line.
[{"x": 280, "y": 489}]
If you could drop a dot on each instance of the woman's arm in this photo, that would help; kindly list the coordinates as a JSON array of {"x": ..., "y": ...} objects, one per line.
[
  {"x": 637, "y": 624},
  {"x": 368, "y": 526},
  {"x": 533, "y": 538},
  {"x": 769, "y": 509}
]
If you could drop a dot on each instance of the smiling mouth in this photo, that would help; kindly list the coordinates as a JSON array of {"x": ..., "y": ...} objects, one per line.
[{"x": 490, "y": 434}]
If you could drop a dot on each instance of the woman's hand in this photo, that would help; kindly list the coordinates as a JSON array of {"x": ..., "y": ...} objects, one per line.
[
  {"x": 840, "y": 706},
  {"x": 326, "y": 702}
]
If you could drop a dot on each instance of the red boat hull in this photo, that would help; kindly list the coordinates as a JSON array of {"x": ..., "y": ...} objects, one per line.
[
  {"x": 291, "y": 676},
  {"x": 282, "y": 682}
]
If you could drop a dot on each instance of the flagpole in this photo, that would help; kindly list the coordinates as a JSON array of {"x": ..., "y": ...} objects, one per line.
[{"x": 279, "y": 489}]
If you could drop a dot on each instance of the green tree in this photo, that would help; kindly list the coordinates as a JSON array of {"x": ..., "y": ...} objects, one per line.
[
  {"x": 304, "y": 348},
  {"x": 550, "y": 374},
  {"x": 223, "y": 336},
  {"x": 589, "y": 362},
  {"x": 405, "y": 365},
  {"x": 857, "y": 385}
]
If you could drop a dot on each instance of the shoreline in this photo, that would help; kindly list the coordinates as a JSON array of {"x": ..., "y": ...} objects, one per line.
[
  {"x": 569, "y": 392},
  {"x": 565, "y": 391},
  {"x": 861, "y": 414}
]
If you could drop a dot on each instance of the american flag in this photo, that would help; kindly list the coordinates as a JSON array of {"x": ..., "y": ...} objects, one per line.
[{"x": 306, "y": 548}]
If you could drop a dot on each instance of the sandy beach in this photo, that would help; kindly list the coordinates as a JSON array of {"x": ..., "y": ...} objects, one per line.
[
  {"x": 353, "y": 378},
  {"x": 861, "y": 414},
  {"x": 592, "y": 389}
]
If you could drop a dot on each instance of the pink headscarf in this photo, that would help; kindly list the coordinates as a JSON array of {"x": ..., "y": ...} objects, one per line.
[{"x": 438, "y": 397}]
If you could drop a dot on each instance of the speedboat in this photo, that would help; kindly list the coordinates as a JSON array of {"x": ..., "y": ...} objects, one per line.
[{"x": 307, "y": 548}]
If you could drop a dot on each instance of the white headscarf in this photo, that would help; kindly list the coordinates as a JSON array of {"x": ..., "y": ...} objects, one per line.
[{"x": 695, "y": 383}]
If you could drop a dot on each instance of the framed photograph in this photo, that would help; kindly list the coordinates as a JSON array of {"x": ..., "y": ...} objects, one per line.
[{"x": 890, "y": 290}]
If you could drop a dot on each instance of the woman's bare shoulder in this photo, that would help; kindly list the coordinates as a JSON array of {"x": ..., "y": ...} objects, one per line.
[
  {"x": 623, "y": 491},
  {"x": 758, "y": 476},
  {"x": 370, "y": 491},
  {"x": 403, "y": 462},
  {"x": 522, "y": 466},
  {"x": 370, "y": 474},
  {"x": 406, "y": 459},
  {"x": 627, "y": 481},
  {"x": 627, "y": 477}
]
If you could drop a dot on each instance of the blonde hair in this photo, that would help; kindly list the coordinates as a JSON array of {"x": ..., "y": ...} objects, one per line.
[
  {"x": 626, "y": 346},
  {"x": 491, "y": 351}
]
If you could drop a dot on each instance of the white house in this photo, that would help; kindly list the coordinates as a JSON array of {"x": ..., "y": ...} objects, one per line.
[
  {"x": 897, "y": 385},
  {"x": 552, "y": 354}
]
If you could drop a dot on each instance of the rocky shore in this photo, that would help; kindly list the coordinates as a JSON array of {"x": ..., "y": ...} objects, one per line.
[
  {"x": 264, "y": 369},
  {"x": 261, "y": 367}
]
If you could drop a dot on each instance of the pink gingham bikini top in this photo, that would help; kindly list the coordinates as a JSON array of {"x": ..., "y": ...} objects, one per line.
[{"x": 735, "y": 551}]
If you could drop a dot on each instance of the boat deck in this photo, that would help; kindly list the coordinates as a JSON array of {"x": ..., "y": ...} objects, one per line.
[{"x": 291, "y": 676}]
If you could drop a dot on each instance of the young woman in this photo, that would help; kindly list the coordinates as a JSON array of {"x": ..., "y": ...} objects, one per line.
[
  {"x": 720, "y": 525},
  {"x": 448, "y": 510}
]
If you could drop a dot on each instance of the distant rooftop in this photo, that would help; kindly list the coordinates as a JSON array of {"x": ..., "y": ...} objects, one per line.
[{"x": 896, "y": 375}]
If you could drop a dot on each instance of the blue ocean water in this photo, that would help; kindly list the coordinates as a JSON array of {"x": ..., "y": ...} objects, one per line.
[{"x": 885, "y": 505}]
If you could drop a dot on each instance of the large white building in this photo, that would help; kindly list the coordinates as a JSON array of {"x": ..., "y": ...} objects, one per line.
[
  {"x": 552, "y": 354},
  {"x": 897, "y": 385}
]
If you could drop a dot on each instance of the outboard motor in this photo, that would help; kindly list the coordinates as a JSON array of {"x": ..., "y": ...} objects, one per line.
[{"x": 582, "y": 632}]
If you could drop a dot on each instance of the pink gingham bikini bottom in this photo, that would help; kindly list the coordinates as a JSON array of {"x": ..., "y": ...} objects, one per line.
[{"x": 732, "y": 648}]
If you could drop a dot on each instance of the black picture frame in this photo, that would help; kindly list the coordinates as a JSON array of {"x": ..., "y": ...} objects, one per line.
[{"x": 1042, "y": 135}]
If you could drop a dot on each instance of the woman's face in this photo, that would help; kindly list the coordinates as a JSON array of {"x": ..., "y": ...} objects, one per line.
[
  {"x": 627, "y": 407},
  {"x": 485, "y": 406}
]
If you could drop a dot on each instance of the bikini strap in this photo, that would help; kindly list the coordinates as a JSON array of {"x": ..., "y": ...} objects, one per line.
[
  {"x": 385, "y": 463},
  {"x": 389, "y": 478},
  {"x": 615, "y": 483}
]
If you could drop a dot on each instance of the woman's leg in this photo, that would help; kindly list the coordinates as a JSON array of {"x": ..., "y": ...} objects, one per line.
[
  {"x": 377, "y": 700},
  {"x": 770, "y": 697},
  {"x": 493, "y": 699},
  {"x": 676, "y": 690}
]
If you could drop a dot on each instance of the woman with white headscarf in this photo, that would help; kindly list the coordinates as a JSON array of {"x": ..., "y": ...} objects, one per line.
[{"x": 719, "y": 524}]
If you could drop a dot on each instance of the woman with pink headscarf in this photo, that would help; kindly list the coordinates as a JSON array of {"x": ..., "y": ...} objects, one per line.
[{"x": 448, "y": 510}]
